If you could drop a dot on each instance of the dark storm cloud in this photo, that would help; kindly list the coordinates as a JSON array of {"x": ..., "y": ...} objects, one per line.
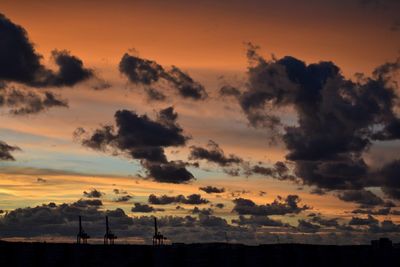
[
  {"x": 147, "y": 73},
  {"x": 143, "y": 138},
  {"x": 194, "y": 199},
  {"x": 370, "y": 220},
  {"x": 388, "y": 177},
  {"x": 140, "y": 71},
  {"x": 168, "y": 172},
  {"x": 213, "y": 153},
  {"x": 258, "y": 221},
  {"x": 280, "y": 206},
  {"x": 212, "y": 189},
  {"x": 139, "y": 207},
  {"x": 19, "y": 62},
  {"x": 6, "y": 150},
  {"x": 84, "y": 203},
  {"x": 94, "y": 193},
  {"x": 187, "y": 87},
  {"x": 363, "y": 197},
  {"x": 278, "y": 171},
  {"x": 27, "y": 101},
  {"x": 337, "y": 117}
]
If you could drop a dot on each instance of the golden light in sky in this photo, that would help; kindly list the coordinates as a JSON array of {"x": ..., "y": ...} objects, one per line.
[{"x": 250, "y": 117}]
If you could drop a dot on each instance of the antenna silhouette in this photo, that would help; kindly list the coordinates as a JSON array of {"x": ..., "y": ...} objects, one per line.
[
  {"x": 81, "y": 237},
  {"x": 158, "y": 238},
  {"x": 109, "y": 237}
]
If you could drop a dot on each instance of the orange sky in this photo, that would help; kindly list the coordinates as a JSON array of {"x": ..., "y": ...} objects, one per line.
[
  {"x": 210, "y": 35},
  {"x": 206, "y": 39}
]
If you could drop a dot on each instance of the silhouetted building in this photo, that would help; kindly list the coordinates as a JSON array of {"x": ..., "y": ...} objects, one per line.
[
  {"x": 382, "y": 243},
  {"x": 109, "y": 237},
  {"x": 158, "y": 238},
  {"x": 81, "y": 237}
]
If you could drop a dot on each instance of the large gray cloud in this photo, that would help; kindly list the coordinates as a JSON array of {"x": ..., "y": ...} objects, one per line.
[
  {"x": 363, "y": 197},
  {"x": 148, "y": 72},
  {"x": 139, "y": 207},
  {"x": 212, "y": 189},
  {"x": 93, "y": 193},
  {"x": 337, "y": 118},
  {"x": 194, "y": 199},
  {"x": 19, "y": 62},
  {"x": 142, "y": 138},
  {"x": 27, "y": 101},
  {"x": 280, "y": 206},
  {"x": 213, "y": 153}
]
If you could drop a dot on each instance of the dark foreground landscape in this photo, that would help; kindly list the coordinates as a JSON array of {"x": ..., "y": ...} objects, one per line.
[{"x": 48, "y": 254}]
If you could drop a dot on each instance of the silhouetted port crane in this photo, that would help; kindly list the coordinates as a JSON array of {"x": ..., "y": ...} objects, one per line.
[
  {"x": 158, "y": 238},
  {"x": 109, "y": 237},
  {"x": 81, "y": 237}
]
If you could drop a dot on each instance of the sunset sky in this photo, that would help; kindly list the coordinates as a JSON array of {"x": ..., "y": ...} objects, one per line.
[{"x": 242, "y": 121}]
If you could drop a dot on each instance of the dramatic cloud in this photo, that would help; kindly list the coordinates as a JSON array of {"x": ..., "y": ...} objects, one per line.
[
  {"x": 388, "y": 178},
  {"x": 19, "y": 62},
  {"x": 278, "y": 171},
  {"x": 6, "y": 150},
  {"x": 280, "y": 206},
  {"x": 213, "y": 153},
  {"x": 144, "y": 208},
  {"x": 338, "y": 119},
  {"x": 24, "y": 101},
  {"x": 147, "y": 72},
  {"x": 94, "y": 193},
  {"x": 142, "y": 138},
  {"x": 363, "y": 221},
  {"x": 211, "y": 189},
  {"x": 193, "y": 199},
  {"x": 363, "y": 197}
]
